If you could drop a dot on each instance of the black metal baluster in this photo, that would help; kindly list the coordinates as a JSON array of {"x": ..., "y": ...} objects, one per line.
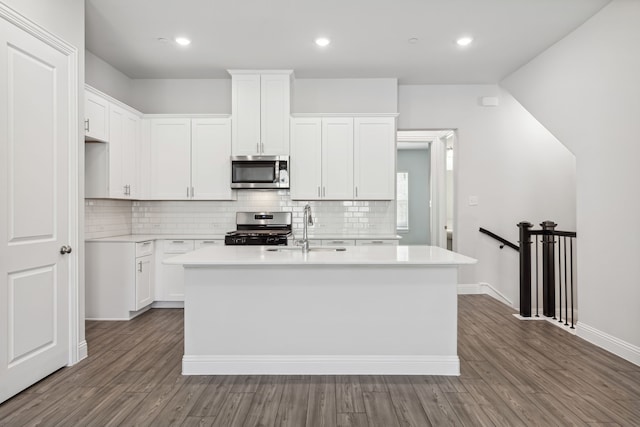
[
  {"x": 537, "y": 280},
  {"x": 566, "y": 296},
  {"x": 559, "y": 278},
  {"x": 548, "y": 270},
  {"x": 571, "y": 259},
  {"x": 525, "y": 269}
]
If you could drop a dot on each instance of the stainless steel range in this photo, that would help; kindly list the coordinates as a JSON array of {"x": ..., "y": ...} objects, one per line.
[{"x": 261, "y": 228}]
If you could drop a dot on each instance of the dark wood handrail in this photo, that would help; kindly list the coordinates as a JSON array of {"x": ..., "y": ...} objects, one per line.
[{"x": 504, "y": 242}]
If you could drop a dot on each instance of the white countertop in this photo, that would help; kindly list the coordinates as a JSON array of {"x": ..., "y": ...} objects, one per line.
[
  {"x": 136, "y": 238},
  {"x": 353, "y": 255}
]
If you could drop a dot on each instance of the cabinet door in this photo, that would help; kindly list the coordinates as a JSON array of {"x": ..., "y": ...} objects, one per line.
[
  {"x": 245, "y": 110},
  {"x": 306, "y": 159},
  {"x": 337, "y": 158},
  {"x": 210, "y": 159},
  {"x": 374, "y": 158},
  {"x": 117, "y": 117},
  {"x": 171, "y": 277},
  {"x": 144, "y": 282},
  {"x": 96, "y": 125},
  {"x": 170, "y": 159},
  {"x": 130, "y": 146},
  {"x": 275, "y": 103}
]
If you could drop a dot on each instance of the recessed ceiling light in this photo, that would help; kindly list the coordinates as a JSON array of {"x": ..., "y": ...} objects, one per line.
[
  {"x": 464, "y": 41},
  {"x": 413, "y": 40},
  {"x": 323, "y": 41},
  {"x": 183, "y": 41}
]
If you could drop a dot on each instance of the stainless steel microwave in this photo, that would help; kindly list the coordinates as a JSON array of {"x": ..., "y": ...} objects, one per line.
[{"x": 260, "y": 172}]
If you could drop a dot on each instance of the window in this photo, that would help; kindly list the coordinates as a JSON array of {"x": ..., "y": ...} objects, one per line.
[{"x": 402, "y": 201}]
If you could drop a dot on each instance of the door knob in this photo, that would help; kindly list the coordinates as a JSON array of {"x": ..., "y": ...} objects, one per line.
[{"x": 65, "y": 250}]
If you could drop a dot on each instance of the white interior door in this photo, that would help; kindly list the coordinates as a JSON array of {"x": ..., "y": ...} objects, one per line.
[{"x": 35, "y": 133}]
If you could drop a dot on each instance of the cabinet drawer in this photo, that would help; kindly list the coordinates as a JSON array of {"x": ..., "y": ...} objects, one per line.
[
  {"x": 144, "y": 248},
  {"x": 377, "y": 242},
  {"x": 206, "y": 243},
  {"x": 178, "y": 246},
  {"x": 338, "y": 242}
]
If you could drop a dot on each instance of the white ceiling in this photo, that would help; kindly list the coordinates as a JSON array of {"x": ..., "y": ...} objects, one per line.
[{"x": 369, "y": 37}]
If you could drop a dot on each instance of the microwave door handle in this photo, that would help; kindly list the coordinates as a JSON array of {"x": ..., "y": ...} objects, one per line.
[{"x": 277, "y": 174}]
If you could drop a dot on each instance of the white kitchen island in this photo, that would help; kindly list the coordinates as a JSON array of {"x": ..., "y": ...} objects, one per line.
[{"x": 366, "y": 310}]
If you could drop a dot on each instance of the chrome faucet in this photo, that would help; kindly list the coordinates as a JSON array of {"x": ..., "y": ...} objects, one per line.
[{"x": 308, "y": 220}]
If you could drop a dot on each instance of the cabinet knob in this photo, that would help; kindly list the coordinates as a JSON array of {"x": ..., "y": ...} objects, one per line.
[{"x": 66, "y": 249}]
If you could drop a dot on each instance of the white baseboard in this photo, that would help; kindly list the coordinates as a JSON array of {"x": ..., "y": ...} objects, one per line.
[
  {"x": 610, "y": 343},
  {"x": 320, "y": 365},
  {"x": 483, "y": 289},
  {"x": 167, "y": 304},
  {"x": 83, "y": 350}
]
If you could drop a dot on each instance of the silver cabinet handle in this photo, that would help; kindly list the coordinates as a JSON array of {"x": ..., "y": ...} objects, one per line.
[
  {"x": 324, "y": 191},
  {"x": 177, "y": 241},
  {"x": 146, "y": 243},
  {"x": 318, "y": 191},
  {"x": 356, "y": 191},
  {"x": 140, "y": 266},
  {"x": 66, "y": 249},
  {"x": 262, "y": 148},
  {"x": 208, "y": 241},
  {"x": 258, "y": 147},
  {"x": 192, "y": 192},
  {"x": 87, "y": 126},
  {"x": 187, "y": 192},
  {"x": 377, "y": 242},
  {"x": 337, "y": 241}
]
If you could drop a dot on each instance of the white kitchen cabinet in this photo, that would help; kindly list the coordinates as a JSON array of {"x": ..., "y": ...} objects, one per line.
[
  {"x": 337, "y": 158},
  {"x": 170, "y": 278},
  {"x": 376, "y": 242},
  {"x": 322, "y": 158},
  {"x": 170, "y": 156},
  {"x": 206, "y": 243},
  {"x": 111, "y": 168},
  {"x": 306, "y": 159},
  {"x": 96, "y": 122},
  {"x": 260, "y": 105},
  {"x": 338, "y": 242},
  {"x": 210, "y": 159},
  {"x": 119, "y": 279},
  {"x": 374, "y": 155},
  {"x": 343, "y": 158},
  {"x": 190, "y": 159}
]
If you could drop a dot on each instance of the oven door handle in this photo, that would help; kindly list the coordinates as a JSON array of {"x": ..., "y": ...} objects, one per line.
[{"x": 277, "y": 174}]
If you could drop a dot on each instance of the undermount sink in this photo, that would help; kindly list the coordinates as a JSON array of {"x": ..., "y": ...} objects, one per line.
[{"x": 313, "y": 249}]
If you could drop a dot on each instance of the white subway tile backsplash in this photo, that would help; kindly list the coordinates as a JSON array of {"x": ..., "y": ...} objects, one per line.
[{"x": 115, "y": 217}]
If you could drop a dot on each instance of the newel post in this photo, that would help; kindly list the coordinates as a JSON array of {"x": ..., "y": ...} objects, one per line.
[
  {"x": 525, "y": 268},
  {"x": 548, "y": 270}
]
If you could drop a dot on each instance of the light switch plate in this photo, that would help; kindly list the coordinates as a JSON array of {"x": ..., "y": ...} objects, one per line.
[{"x": 473, "y": 200}]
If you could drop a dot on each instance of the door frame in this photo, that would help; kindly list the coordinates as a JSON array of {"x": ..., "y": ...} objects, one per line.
[{"x": 77, "y": 349}]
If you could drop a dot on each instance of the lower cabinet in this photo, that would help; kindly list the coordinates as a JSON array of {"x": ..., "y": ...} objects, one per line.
[
  {"x": 119, "y": 279},
  {"x": 170, "y": 278},
  {"x": 377, "y": 242},
  {"x": 170, "y": 281}
]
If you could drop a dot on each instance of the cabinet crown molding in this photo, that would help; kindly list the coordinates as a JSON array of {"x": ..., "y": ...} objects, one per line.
[
  {"x": 112, "y": 100},
  {"x": 238, "y": 72},
  {"x": 356, "y": 115}
]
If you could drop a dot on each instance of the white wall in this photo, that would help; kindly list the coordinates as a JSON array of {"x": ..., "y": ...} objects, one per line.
[
  {"x": 345, "y": 96},
  {"x": 187, "y": 96},
  {"x": 586, "y": 90},
  {"x": 107, "y": 79},
  {"x": 65, "y": 18},
  {"x": 515, "y": 167}
]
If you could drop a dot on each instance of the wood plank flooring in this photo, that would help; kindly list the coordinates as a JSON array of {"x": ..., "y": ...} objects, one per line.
[{"x": 514, "y": 373}]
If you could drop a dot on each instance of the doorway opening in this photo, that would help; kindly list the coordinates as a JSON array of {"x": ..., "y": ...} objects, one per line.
[{"x": 425, "y": 181}]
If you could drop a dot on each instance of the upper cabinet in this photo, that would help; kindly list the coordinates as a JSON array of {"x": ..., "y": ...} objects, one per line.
[
  {"x": 260, "y": 108},
  {"x": 96, "y": 122},
  {"x": 190, "y": 158},
  {"x": 343, "y": 158},
  {"x": 374, "y": 155},
  {"x": 111, "y": 166}
]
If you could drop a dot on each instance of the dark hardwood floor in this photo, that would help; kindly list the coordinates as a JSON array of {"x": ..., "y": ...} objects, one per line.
[{"x": 514, "y": 373}]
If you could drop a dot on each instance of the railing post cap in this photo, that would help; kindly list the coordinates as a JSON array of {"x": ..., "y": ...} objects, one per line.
[
  {"x": 548, "y": 224},
  {"x": 525, "y": 224}
]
